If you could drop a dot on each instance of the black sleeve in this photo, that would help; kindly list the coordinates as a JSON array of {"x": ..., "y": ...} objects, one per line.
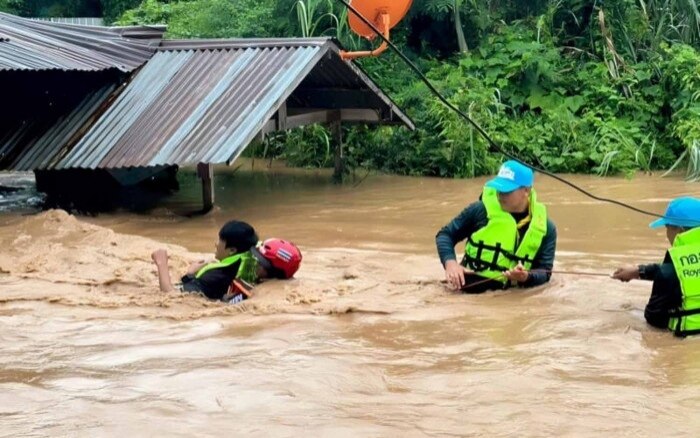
[
  {"x": 652, "y": 271},
  {"x": 213, "y": 284},
  {"x": 464, "y": 225},
  {"x": 544, "y": 259},
  {"x": 649, "y": 272},
  {"x": 665, "y": 295}
]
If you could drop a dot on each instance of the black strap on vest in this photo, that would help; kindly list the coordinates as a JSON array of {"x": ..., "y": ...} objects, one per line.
[
  {"x": 519, "y": 259},
  {"x": 680, "y": 313},
  {"x": 477, "y": 264},
  {"x": 683, "y": 333}
]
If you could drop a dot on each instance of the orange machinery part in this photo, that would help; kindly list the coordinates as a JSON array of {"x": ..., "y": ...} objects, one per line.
[{"x": 384, "y": 13}]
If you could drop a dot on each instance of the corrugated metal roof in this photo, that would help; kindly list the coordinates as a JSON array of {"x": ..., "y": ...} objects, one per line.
[
  {"x": 191, "y": 106},
  {"x": 38, "y": 45},
  {"x": 83, "y": 21},
  {"x": 330, "y": 71},
  {"x": 243, "y": 43},
  {"x": 27, "y": 151}
]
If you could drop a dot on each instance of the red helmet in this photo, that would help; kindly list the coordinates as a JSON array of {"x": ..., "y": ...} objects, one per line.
[{"x": 282, "y": 255}]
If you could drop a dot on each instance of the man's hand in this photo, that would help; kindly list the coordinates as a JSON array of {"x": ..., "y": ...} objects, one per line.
[
  {"x": 160, "y": 257},
  {"x": 518, "y": 274},
  {"x": 454, "y": 273},
  {"x": 196, "y": 266},
  {"x": 626, "y": 273}
]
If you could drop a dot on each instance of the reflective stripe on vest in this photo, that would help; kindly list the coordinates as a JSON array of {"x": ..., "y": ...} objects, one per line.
[
  {"x": 685, "y": 254},
  {"x": 246, "y": 270},
  {"x": 495, "y": 247}
]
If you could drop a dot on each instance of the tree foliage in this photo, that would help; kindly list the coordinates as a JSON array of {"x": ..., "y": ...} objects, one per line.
[
  {"x": 573, "y": 85},
  {"x": 109, "y": 10},
  {"x": 207, "y": 18}
]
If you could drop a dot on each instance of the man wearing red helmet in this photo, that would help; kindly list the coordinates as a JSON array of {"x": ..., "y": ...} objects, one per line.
[
  {"x": 239, "y": 264},
  {"x": 277, "y": 258}
]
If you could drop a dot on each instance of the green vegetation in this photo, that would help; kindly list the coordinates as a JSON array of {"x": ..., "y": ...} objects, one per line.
[
  {"x": 574, "y": 86},
  {"x": 110, "y": 10},
  {"x": 208, "y": 18}
]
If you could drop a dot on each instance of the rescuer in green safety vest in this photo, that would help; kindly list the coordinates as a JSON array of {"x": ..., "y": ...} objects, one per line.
[
  {"x": 675, "y": 294},
  {"x": 510, "y": 241},
  {"x": 230, "y": 275}
]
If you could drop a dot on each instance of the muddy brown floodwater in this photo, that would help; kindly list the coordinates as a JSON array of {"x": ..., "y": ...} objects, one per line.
[{"x": 366, "y": 341}]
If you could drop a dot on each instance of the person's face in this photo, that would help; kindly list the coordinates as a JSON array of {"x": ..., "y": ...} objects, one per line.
[
  {"x": 262, "y": 272},
  {"x": 672, "y": 232},
  {"x": 516, "y": 201},
  {"x": 221, "y": 251}
]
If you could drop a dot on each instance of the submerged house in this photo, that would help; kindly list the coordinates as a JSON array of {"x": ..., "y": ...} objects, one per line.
[{"x": 87, "y": 103}]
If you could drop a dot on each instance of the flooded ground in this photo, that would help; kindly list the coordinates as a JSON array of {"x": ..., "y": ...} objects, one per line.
[{"x": 366, "y": 341}]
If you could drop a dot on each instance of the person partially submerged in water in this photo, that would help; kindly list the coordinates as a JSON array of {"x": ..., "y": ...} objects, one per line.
[{"x": 238, "y": 266}]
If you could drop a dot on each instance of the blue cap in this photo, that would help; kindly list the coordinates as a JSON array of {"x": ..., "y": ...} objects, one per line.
[
  {"x": 511, "y": 176},
  {"x": 681, "y": 212}
]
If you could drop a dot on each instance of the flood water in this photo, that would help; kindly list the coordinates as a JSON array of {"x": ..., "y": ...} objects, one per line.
[{"x": 366, "y": 341}]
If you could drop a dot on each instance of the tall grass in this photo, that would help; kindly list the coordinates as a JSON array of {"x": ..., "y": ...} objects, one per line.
[
  {"x": 672, "y": 20},
  {"x": 310, "y": 17},
  {"x": 692, "y": 156}
]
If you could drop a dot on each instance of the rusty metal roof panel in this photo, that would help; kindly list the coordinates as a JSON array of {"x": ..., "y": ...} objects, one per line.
[
  {"x": 191, "y": 106},
  {"x": 40, "y": 45},
  {"x": 128, "y": 113}
]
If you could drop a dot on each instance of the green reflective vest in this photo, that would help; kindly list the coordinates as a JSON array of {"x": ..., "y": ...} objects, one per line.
[
  {"x": 496, "y": 247},
  {"x": 685, "y": 254},
  {"x": 247, "y": 271}
]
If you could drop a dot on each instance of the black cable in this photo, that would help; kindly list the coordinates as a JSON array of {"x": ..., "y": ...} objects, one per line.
[{"x": 480, "y": 130}]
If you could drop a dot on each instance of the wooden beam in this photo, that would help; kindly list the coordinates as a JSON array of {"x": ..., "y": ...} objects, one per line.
[
  {"x": 335, "y": 98},
  {"x": 205, "y": 171},
  {"x": 360, "y": 115},
  {"x": 308, "y": 118},
  {"x": 296, "y": 117}
]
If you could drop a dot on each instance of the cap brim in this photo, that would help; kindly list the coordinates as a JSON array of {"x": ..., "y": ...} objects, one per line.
[
  {"x": 658, "y": 223},
  {"x": 675, "y": 222},
  {"x": 502, "y": 185}
]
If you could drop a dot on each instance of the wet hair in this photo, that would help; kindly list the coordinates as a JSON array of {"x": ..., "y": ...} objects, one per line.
[{"x": 238, "y": 235}]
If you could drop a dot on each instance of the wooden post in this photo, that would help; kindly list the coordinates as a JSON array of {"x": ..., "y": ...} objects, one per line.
[
  {"x": 205, "y": 171},
  {"x": 337, "y": 135},
  {"x": 282, "y": 117}
]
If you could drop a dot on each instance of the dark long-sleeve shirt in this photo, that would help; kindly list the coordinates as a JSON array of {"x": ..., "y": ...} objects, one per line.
[
  {"x": 665, "y": 291},
  {"x": 474, "y": 218},
  {"x": 214, "y": 283}
]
